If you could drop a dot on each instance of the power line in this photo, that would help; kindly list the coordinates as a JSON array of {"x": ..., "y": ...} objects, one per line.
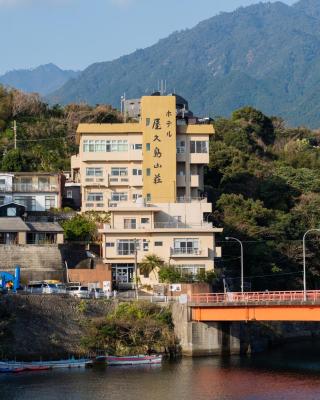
[
  {"x": 269, "y": 240},
  {"x": 42, "y": 140},
  {"x": 267, "y": 275}
]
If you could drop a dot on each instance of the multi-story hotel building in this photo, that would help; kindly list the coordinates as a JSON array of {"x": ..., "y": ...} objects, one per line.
[{"x": 149, "y": 176}]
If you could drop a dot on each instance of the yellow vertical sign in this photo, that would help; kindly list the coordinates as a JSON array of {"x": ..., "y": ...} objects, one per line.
[{"x": 158, "y": 119}]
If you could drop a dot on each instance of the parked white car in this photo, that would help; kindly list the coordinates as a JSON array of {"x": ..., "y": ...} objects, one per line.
[
  {"x": 82, "y": 292},
  {"x": 42, "y": 288},
  {"x": 61, "y": 288}
]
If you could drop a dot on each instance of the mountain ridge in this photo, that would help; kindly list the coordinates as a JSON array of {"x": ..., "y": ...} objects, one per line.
[
  {"x": 43, "y": 79},
  {"x": 266, "y": 55}
]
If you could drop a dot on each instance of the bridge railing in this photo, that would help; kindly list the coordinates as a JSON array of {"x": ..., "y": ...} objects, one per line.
[{"x": 253, "y": 297}]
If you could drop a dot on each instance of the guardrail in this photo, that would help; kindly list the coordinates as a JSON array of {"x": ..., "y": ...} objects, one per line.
[{"x": 254, "y": 297}]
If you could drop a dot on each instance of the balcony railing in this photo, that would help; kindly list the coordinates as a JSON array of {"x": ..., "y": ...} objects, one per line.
[
  {"x": 130, "y": 226},
  {"x": 129, "y": 252},
  {"x": 185, "y": 199},
  {"x": 185, "y": 251},
  {"x": 5, "y": 189},
  {"x": 118, "y": 180},
  {"x": 182, "y": 225},
  {"x": 26, "y": 187}
]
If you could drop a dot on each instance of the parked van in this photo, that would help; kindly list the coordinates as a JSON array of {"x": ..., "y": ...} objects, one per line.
[{"x": 82, "y": 292}]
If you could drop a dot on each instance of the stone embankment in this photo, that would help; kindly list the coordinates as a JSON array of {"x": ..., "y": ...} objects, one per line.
[{"x": 34, "y": 326}]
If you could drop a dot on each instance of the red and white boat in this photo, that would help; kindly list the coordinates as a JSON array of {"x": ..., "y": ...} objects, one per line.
[{"x": 130, "y": 360}]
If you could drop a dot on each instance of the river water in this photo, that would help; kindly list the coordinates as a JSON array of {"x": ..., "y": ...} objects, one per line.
[{"x": 290, "y": 372}]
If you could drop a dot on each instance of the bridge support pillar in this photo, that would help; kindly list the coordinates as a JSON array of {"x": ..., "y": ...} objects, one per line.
[{"x": 203, "y": 339}]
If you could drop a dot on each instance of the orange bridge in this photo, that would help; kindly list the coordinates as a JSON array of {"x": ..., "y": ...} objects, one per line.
[{"x": 256, "y": 306}]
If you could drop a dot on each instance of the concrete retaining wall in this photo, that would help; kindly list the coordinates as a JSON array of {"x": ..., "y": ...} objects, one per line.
[{"x": 36, "y": 262}]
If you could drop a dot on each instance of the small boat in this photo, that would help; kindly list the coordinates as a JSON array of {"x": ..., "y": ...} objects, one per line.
[
  {"x": 130, "y": 360},
  {"x": 37, "y": 368},
  {"x": 45, "y": 365},
  {"x": 11, "y": 370}
]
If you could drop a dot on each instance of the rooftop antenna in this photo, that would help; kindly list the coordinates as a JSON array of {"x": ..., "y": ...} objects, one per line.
[{"x": 123, "y": 99}]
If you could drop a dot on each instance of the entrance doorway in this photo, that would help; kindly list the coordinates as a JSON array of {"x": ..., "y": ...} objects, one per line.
[{"x": 122, "y": 276}]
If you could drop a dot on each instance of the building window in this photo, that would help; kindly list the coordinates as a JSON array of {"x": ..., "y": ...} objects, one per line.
[
  {"x": 130, "y": 223},
  {"x": 148, "y": 197},
  {"x": 94, "y": 171},
  {"x": 91, "y": 146},
  {"x": 44, "y": 183},
  {"x": 50, "y": 202},
  {"x": 138, "y": 146},
  {"x": 69, "y": 194},
  {"x": 136, "y": 196},
  {"x": 109, "y": 244},
  {"x": 8, "y": 238},
  {"x": 186, "y": 246},
  {"x": 148, "y": 172},
  {"x": 137, "y": 172},
  {"x": 11, "y": 212},
  {"x": 181, "y": 147},
  {"x": 148, "y": 147},
  {"x": 145, "y": 245},
  {"x": 99, "y": 146},
  {"x": 117, "y": 145},
  {"x": 2, "y": 199},
  {"x": 119, "y": 196},
  {"x": 198, "y": 146},
  {"x": 147, "y": 121},
  {"x": 193, "y": 269},
  {"x": 86, "y": 146},
  {"x": 145, "y": 220},
  {"x": 117, "y": 171},
  {"x": 126, "y": 247},
  {"x": 95, "y": 196},
  {"x": 27, "y": 201},
  {"x": 158, "y": 244}
]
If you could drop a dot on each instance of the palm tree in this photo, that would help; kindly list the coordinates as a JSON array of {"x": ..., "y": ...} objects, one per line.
[{"x": 150, "y": 263}]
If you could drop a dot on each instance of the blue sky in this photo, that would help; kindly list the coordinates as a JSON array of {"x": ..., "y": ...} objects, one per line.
[{"x": 75, "y": 33}]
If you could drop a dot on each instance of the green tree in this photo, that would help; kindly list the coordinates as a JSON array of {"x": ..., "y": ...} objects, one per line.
[
  {"x": 169, "y": 274},
  {"x": 79, "y": 228},
  {"x": 14, "y": 161},
  {"x": 150, "y": 262}
]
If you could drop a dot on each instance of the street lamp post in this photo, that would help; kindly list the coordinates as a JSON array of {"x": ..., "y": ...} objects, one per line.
[
  {"x": 304, "y": 262},
  {"x": 241, "y": 246}
]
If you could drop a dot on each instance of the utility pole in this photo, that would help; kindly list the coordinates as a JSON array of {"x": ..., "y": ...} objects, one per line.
[
  {"x": 136, "y": 267},
  {"x": 15, "y": 133}
]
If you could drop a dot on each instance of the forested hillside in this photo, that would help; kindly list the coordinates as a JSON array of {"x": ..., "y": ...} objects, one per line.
[
  {"x": 265, "y": 185},
  {"x": 263, "y": 179},
  {"x": 266, "y": 55},
  {"x": 45, "y": 135}
]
